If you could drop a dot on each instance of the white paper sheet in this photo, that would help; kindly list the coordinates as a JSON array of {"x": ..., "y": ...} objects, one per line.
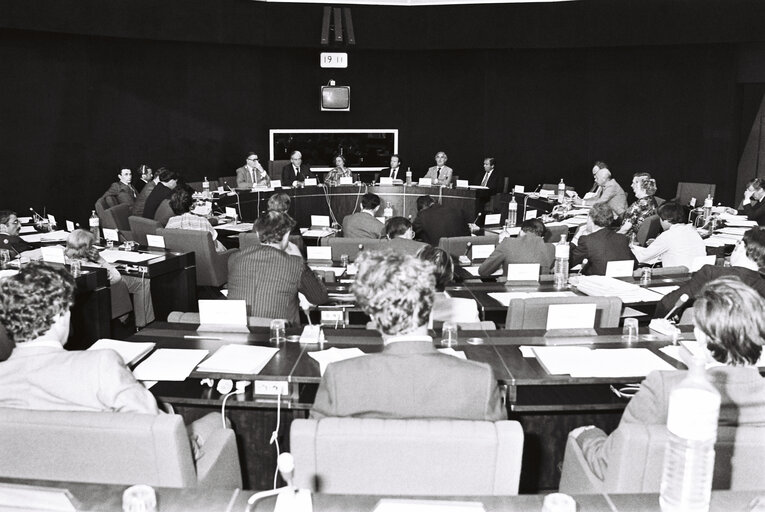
[
  {"x": 132, "y": 257},
  {"x": 504, "y": 297},
  {"x": 248, "y": 359},
  {"x": 174, "y": 364},
  {"x": 332, "y": 355},
  {"x": 242, "y": 227},
  {"x": 571, "y": 316},
  {"x": 459, "y": 354},
  {"x": 129, "y": 351},
  {"x": 53, "y": 236},
  {"x": 585, "y": 362},
  {"x": 473, "y": 270},
  {"x": 338, "y": 271}
]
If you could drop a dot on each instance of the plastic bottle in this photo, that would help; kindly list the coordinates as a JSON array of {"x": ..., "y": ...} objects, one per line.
[
  {"x": 206, "y": 188},
  {"x": 708, "y": 207},
  {"x": 408, "y": 176},
  {"x": 512, "y": 212},
  {"x": 561, "y": 191},
  {"x": 694, "y": 407},
  {"x": 94, "y": 225},
  {"x": 388, "y": 211},
  {"x": 561, "y": 263}
]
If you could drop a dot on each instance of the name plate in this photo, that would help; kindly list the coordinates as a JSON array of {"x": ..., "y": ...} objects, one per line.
[
  {"x": 310, "y": 182},
  {"x": 530, "y": 214},
  {"x": 69, "y": 226},
  {"x": 319, "y": 253},
  {"x": 493, "y": 219},
  {"x": 155, "y": 241},
  {"x": 231, "y": 212},
  {"x": 223, "y": 312},
  {"x": 483, "y": 251},
  {"x": 386, "y": 181},
  {"x": 523, "y": 272},
  {"x": 621, "y": 268},
  {"x": 276, "y": 183},
  {"x": 52, "y": 254},
  {"x": 463, "y": 184},
  {"x": 520, "y": 189},
  {"x": 425, "y": 182},
  {"x": 320, "y": 220},
  {"x": 571, "y": 316},
  {"x": 346, "y": 180},
  {"x": 111, "y": 234}
]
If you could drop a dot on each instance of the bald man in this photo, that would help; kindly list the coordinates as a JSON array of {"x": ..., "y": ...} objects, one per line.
[
  {"x": 440, "y": 174},
  {"x": 610, "y": 193}
]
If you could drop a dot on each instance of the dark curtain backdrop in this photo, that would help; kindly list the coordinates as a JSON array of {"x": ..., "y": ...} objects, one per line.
[{"x": 75, "y": 109}]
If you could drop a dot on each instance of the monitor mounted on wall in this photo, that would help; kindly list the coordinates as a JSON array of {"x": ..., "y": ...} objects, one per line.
[{"x": 335, "y": 98}]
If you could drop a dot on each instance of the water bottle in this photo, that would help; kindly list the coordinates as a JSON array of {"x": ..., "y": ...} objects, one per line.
[
  {"x": 512, "y": 212},
  {"x": 388, "y": 211},
  {"x": 708, "y": 208},
  {"x": 561, "y": 191},
  {"x": 206, "y": 188},
  {"x": 94, "y": 224},
  {"x": 561, "y": 263},
  {"x": 408, "y": 176},
  {"x": 694, "y": 407}
]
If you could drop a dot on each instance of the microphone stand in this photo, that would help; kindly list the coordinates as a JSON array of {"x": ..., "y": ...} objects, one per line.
[{"x": 238, "y": 205}]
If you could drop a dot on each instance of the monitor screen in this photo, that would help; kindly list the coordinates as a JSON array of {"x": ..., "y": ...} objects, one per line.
[{"x": 335, "y": 98}]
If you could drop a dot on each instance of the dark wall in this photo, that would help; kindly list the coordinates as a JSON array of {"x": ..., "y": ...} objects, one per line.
[{"x": 76, "y": 109}]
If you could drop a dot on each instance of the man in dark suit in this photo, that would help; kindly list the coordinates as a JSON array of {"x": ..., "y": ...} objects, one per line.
[
  {"x": 147, "y": 175},
  {"x": 603, "y": 244},
  {"x": 9, "y": 234},
  {"x": 143, "y": 195},
  {"x": 268, "y": 278},
  {"x": 363, "y": 224},
  {"x": 491, "y": 178},
  {"x": 747, "y": 262},
  {"x": 168, "y": 180},
  {"x": 435, "y": 221},
  {"x": 400, "y": 237},
  {"x": 409, "y": 378},
  {"x": 528, "y": 247},
  {"x": 394, "y": 171},
  {"x": 753, "y": 205},
  {"x": 296, "y": 171},
  {"x": 121, "y": 191}
]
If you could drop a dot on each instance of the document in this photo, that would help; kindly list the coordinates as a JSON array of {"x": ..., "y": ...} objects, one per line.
[
  {"x": 504, "y": 297},
  {"x": 129, "y": 351},
  {"x": 585, "y": 362},
  {"x": 247, "y": 359},
  {"x": 112, "y": 256},
  {"x": 26, "y": 230},
  {"x": 53, "y": 236},
  {"x": 174, "y": 364},
  {"x": 473, "y": 270},
  {"x": 338, "y": 271},
  {"x": 242, "y": 227},
  {"x": 459, "y": 354},
  {"x": 332, "y": 355}
]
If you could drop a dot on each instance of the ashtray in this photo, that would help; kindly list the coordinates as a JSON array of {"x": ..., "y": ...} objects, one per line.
[{"x": 475, "y": 341}]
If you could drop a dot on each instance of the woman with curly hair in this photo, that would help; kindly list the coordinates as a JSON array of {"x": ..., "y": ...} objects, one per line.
[
  {"x": 340, "y": 171},
  {"x": 644, "y": 187}
]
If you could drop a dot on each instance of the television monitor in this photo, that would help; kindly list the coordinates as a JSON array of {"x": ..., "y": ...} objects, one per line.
[{"x": 336, "y": 98}]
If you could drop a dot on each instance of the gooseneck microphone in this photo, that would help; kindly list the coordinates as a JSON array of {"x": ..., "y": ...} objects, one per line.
[{"x": 680, "y": 301}]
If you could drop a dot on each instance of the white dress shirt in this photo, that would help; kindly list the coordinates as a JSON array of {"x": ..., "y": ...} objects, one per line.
[{"x": 678, "y": 245}]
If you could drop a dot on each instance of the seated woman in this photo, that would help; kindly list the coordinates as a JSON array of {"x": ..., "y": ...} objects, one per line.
[
  {"x": 446, "y": 308},
  {"x": 340, "y": 171},
  {"x": 645, "y": 206},
  {"x": 728, "y": 319},
  {"x": 79, "y": 247},
  {"x": 678, "y": 245},
  {"x": 180, "y": 202},
  {"x": 399, "y": 234}
]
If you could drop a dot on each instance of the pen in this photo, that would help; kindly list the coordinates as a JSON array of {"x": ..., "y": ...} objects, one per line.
[{"x": 201, "y": 338}]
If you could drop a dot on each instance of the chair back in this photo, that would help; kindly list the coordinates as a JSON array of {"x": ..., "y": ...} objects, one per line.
[
  {"x": 637, "y": 456},
  {"x": 457, "y": 245},
  {"x": 164, "y": 212},
  {"x": 349, "y": 246},
  {"x": 553, "y": 233},
  {"x": 140, "y": 227},
  {"x": 532, "y": 313},
  {"x": 687, "y": 190},
  {"x": 226, "y": 181},
  {"x": 275, "y": 169},
  {"x": 407, "y": 456},
  {"x": 650, "y": 228},
  {"x": 212, "y": 267}
]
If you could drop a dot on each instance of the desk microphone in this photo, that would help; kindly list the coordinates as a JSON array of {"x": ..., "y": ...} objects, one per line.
[
  {"x": 286, "y": 465},
  {"x": 36, "y": 217},
  {"x": 682, "y": 300},
  {"x": 238, "y": 205}
]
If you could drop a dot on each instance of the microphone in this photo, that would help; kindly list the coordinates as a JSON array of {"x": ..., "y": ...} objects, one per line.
[
  {"x": 467, "y": 248},
  {"x": 539, "y": 187},
  {"x": 477, "y": 217},
  {"x": 238, "y": 205},
  {"x": 286, "y": 465},
  {"x": 36, "y": 217},
  {"x": 682, "y": 300}
]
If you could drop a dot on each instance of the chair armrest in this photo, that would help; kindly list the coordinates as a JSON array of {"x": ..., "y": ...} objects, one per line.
[
  {"x": 576, "y": 476},
  {"x": 219, "y": 464}
]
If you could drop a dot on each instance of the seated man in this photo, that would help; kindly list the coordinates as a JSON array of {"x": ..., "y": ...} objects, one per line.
[
  {"x": 121, "y": 191},
  {"x": 435, "y": 221},
  {"x": 268, "y": 278},
  {"x": 252, "y": 174},
  {"x": 180, "y": 202},
  {"x": 143, "y": 195},
  {"x": 746, "y": 263},
  {"x": 728, "y": 320},
  {"x": 9, "y": 234},
  {"x": 296, "y": 171},
  {"x": 409, "y": 378},
  {"x": 400, "y": 236},
  {"x": 168, "y": 180},
  {"x": 440, "y": 174},
  {"x": 529, "y": 247},
  {"x": 678, "y": 245},
  {"x": 753, "y": 204},
  {"x": 609, "y": 192},
  {"x": 363, "y": 224},
  {"x": 602, "y": 245},
  {"x": 146, "y": 176}
]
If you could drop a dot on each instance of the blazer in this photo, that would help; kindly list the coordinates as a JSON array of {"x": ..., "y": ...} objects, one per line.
[
  {"x": 445, "y": 178},
  {"x": 755, "y": 211},
  {"x": 400, "y": 174},
  {"x": 403, "y": 246},
  {"x": 119, "y": 193},
  {"x": 409, "y": 379},
  {"x": 495, "y": 182},
  {"x": 244, "y": 179},
  {"x": 140, "y": 200},
  {"x": 741, "y": 388},
  {"x": 288, "y": 174},
  {"x": 140, "y": 184},
  {"x": 523, "y": 249},
  {"x": 269, "y": 280},
  {"x": 439, "y": 221},
  {"x": 701, "y": 277},
  {"x": 14, "y": 243},
  {"x": 613, "y": 194},
  {"x": 599, "y": 248},
  {"x": 158, "y": 194},
  {"x": 362, "y": 225}
]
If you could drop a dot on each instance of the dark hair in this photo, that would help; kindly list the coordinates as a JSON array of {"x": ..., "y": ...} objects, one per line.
[
  {"x": 396, "y": 226},
  {"x": 602, "y": 215},
  {"x": 729, "y": 313},
  {"x": 272, "y": 226},
  {"x": 397, "y": 156},
  {"x": 370, "y": 201},
  {"x": 755, "y": 183},
  {"x": 424, "y": 202},
  {"x": 5, "y": 216},
  {"x": 345, "y": 162},
  {"x": 672, "y": 212},
  {"x": 251, "y": 153},
  {"x": 533, "y": 226},
  {"x": 444, "y": 266},
  {"x": 279, "y": 202},
  {"x": 600, "y": 164},
  {"x": 293, "y": 154},
  {"x": 181, "y": 199},
  {"x": 491, "y": 160},
  {"x": 754, "y": 242},
  {"x": 641, "y": 175},
  {"x": 166, "y": 174}
]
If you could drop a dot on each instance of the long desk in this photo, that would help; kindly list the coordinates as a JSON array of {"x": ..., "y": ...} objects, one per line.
[{"x": 547, "y": 406}]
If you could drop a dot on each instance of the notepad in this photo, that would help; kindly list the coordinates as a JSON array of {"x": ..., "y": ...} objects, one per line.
[
  {"x": 320, "y": 220},
  {"x": 459, "y": 354},
  {"x": 170, "y": 364},
  {"x": 248, "y": 359},
  {"x": 129, "y": 351},
  {"x": 333, "y": 355}
]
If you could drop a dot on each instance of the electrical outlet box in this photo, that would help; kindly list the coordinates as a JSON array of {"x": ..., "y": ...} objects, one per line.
[{"x": 271, "y": 387}]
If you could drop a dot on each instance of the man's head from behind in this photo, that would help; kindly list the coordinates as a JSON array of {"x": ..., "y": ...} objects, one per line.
[
  {"x": 533, "y": 227},
  {"x": 274, "y": 228},
  {"x": 751, "y": 247},
  {"x": 671, "y": 213},
  {"x": 601, "y": 215},
  {"x": 398, "y": 227},
  {"x": 602, "y": 176},
  {"x": 167, "y": 177},
  {"x": 181, "y": 199},
  {"x": 425, "y": 202},
  {"x": 395, "y": 290},
  {"x": 370, "y": 202}
]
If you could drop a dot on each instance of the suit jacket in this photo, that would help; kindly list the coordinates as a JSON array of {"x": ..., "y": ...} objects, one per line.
[
  {"x": 269, "y": 280},
  {"x": 755, "y": 211},
  {"x": 742, "y": 390},
  {"x": 400, "y": 175},
  {"x": 599, "y": 248},
  {"x": 495, "y": 182},
  {"x": 140, "y": 184},
  {"x": 288, "y": 174},
  {"x": 140, "y": 200},
  {"x": 612, "y": 194},
  {"x": 440, "y": 221},
  {"x": 119, "y": 193},
  {"x": 362, "y": 225},
  {"x": 446, "y": 175},
  {"x": 244, "y": 179},
  {"x": 524, "y": 249},
  {"x": 14, "y": 244},
  {"x": 50, "y": 378},
  {"x": 701, "y": 277},
  {"x": 409, "y": 379},
  {"x": 157, "y": 195},
  {"x": 403, "y": 246}
]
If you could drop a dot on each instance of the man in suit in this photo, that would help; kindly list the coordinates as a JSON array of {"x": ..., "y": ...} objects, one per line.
[
  {"x": 610, "y": 193},
  {"x": 491, "y": 179},
  {"x": 528, "y": 247},
  {"x": 394, "y": 171},
  {"x": 435, "y": 221},
  {"x": 603, "y": 244},
  {"x": 268, "y": 278},
  {"x": 400, "y": 237},
  {"x": 363, "y": 224},
  {"x": 753, "y": 205},
  {"x": 747, "y": 262},
  {"x": 252, "y": 174},
  {"x": 409, "y": 378},
  {"x": 9, "y": 234},
  {"x": 146, "y": 176},
  {"x": 440, "y": 174},
  {"x": 121, "y": 191},
  {"x": 168, "y": 180},
  {"x": 296, "y": 171},
  {"x": 143, "y": 195}
]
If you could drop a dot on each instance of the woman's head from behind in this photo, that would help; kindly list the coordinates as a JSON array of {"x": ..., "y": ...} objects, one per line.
[
  {"x": 79, "y": 245},
  {"x": 442, "y": 261}
]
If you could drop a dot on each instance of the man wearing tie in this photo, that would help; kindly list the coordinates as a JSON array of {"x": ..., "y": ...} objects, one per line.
[
  {"x": 440, "y": 174},
  {"x": 491, "y": 178},
  {"x": 295, "y": 171},
  {"x": 252, "y": 173},
  {"x": 394, "y": 171},
  {"x": 121, "y": 191}
]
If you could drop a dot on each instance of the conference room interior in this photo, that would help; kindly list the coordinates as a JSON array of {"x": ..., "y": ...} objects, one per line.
[{"x": 676, "y": 89}]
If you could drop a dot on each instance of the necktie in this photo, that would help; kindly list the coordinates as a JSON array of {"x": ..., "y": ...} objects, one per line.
[
  {"x": 485, "y": 179},
  {"x": 297, "y": 172},
  {"x": 393, "y": 173},
  {"x": 438, "y": 172}
]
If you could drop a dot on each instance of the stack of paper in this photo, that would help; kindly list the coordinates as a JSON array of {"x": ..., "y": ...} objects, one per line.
[
  {"x": 129, "y": 351},
  {"x": 53, "y": 236},
  {"x": 249, "y": 359},
  {"x": 586, "y": 362},
  {"x": 174, "y": 364},
  {"x": 242, "y": 227},
  {"x": 602, "y": 286},
  {"x": 332, "y": 355}
]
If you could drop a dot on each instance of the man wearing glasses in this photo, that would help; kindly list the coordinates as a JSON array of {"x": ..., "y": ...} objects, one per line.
[
  {"x": 252, "y": 173},
  {"x": 9, "y": 234},
  {"x": 296, "y": 171}
]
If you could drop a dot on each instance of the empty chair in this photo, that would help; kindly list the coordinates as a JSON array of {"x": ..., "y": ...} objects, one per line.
[
  {"x": 212, "y": 267},
  {"x": 636, "y": 459},
  {"x": 457, "y": 245},
  {"x": 349, "y": 246},
  {"x": 532, "y": 313},
  {"x": 686, "y": 191},
  {"x": 226, "y": 182},
  {"x": 407, "y": 456},
  {"x": 115, "y": 217},
  {"x": 275, "y": 169},
  {"x": 140, "y": 227},
  {"x": 164, "y": 212}
]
